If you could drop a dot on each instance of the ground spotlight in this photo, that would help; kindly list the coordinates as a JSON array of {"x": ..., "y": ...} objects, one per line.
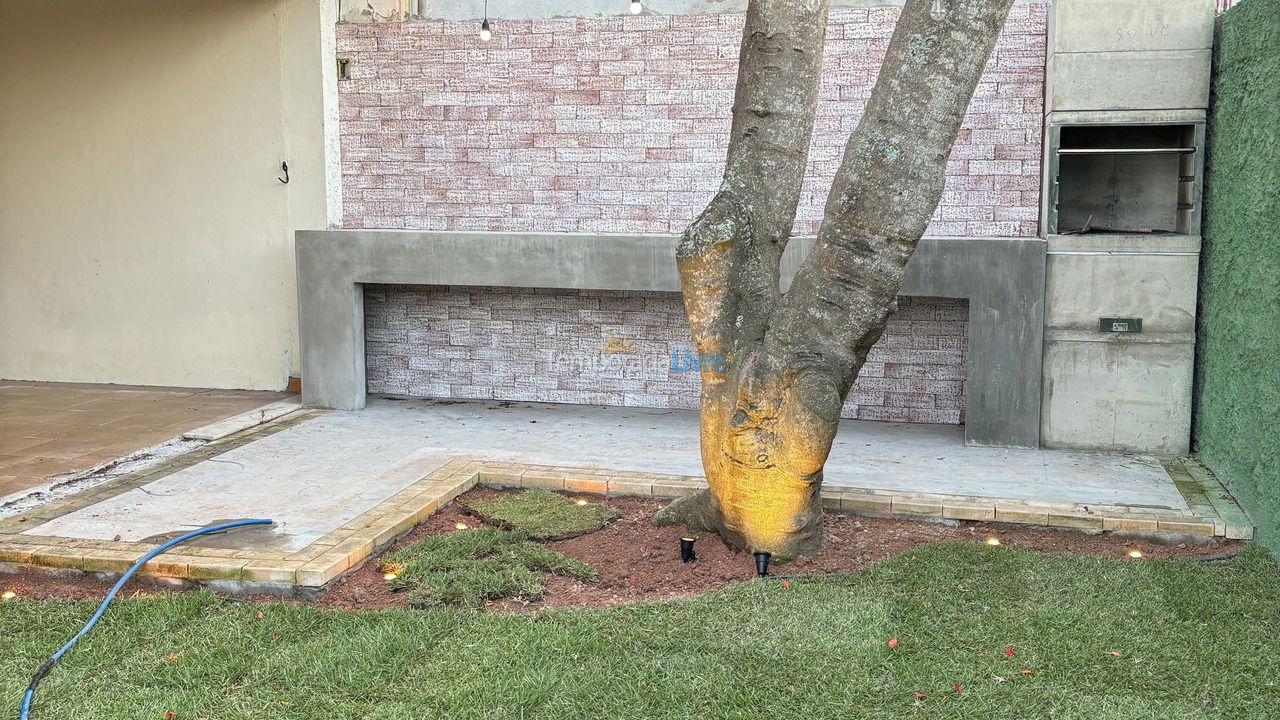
[
  {"x": 9, "y": 595},
  {"x": 580, "y": 501},
  {"x": 1135, "y": 554},
  {"x": 390, "y": 576},
  {"x": 762, "y": 562},
  {"x": 993, "y": 541},
  {"x": 686, "y": 549},
  {"x": 460, "y": 526}
]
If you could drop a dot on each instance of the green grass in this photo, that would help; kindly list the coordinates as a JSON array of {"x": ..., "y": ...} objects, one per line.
[
  {"x": 472, "y": 567},
  {"x": 543, "y": 515},
  {"x": 1195, "y": 641}
]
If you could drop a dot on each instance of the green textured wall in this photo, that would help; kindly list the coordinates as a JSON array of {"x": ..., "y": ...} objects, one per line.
[{"x": 1237, "y": 428}]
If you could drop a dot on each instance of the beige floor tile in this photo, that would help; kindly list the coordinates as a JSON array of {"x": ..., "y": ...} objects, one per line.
[{"x": 55, "y": 428}]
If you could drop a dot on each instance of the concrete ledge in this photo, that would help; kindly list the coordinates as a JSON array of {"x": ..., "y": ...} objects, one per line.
[
  {"x": 244, "y": 420},
  {"x": 1002, "y": 278}
]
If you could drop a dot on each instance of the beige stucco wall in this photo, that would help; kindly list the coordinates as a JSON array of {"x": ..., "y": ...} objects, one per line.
[{"x": 144, "y": 237}]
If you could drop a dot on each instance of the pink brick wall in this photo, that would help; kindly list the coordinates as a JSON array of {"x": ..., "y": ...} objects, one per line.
[
  {"x": 545, "y": 346},
  {"x": 619, "y": 124}
]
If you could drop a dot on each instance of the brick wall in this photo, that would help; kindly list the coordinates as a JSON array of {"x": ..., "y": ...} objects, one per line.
[
  {"x": 619, "y": 124},
  {"x": 615, "y": 348}
]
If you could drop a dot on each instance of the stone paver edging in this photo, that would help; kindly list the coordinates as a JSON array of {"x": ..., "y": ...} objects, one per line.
[{"x": 1212, "y": 512}]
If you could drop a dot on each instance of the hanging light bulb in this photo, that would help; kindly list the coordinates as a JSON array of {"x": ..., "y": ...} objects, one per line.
[
  {"x": 485, "y": 33},
  {"x": 636, "y": 7}
]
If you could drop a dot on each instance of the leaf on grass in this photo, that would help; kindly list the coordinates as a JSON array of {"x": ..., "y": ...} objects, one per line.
[
  {"x": 173, "y": 657},
  {"x": 893, "y": 643},
  {"x": 786, "y": 585},
  {"x": 1026, "y": 672},
  {"x": 1113, "y": 653},
  {"x": 956, "y": 685},
  {"x": 1009, "y": 651},
  {"x": 919, "y": 695},
  {"x": 170, "y": 715}
]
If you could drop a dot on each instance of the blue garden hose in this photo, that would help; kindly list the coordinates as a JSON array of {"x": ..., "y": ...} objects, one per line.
[{"x": 31, "y": 688}]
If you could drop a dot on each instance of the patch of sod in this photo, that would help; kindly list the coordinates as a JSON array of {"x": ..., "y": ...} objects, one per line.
[
  {"x": 1191, "y": 641},
  {"x": 543, "y": 515},
  {"x": 472, "y": 567}
]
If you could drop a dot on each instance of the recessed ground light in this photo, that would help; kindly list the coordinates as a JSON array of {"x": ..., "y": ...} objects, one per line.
[
  {"x": 459, "y": 526},
  {"x": 580, "y": 501},
  {"x": 1135, "y": 554},
  {"x": 993, "y": 541},
  {"x": 9, "y": 595},
  {"x": 762, "y": 563},
  {"x": 390, "y": 576},
  {"x": 686, "y": 549}
]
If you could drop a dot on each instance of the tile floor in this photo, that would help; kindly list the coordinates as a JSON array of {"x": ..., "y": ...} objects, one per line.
[
  {"x": 49, "y": 429},
  {"x": 312, "y": 476},
  {"x": 339, "y": 485}
]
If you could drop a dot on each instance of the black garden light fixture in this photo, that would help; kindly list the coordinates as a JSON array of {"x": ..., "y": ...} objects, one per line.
[
  {"x": 686, "y": 549},
  {"x": 762, "y": 562}
]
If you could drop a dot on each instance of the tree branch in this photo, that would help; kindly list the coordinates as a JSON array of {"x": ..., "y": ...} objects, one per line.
[
  {"x": 886, "y": 189},
  {"x": 728, "y": 258}
]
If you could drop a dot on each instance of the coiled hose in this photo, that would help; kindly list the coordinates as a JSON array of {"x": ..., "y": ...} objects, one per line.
[{"x": 30, "y": 694}]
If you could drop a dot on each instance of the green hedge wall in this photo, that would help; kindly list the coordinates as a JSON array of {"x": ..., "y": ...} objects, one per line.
[{"x": 1237, "y": 428}]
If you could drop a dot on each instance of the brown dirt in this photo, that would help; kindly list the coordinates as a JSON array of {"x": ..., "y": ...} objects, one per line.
[{"x": 638, "y": 561}]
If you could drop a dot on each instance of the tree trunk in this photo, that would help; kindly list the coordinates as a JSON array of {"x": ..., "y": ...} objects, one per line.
[{"x": 769, "y": 414}]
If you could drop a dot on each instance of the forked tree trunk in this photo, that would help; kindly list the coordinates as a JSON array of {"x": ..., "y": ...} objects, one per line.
[{"x": 768, "y": 420}]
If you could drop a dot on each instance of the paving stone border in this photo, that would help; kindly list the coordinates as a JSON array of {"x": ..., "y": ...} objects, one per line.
[{"x": 1212, "y": 512}]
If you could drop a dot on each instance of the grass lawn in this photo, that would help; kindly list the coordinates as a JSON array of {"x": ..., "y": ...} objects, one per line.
[
  {"x": 469, "y": 567},
  {"x": 1191, "y": 640}
]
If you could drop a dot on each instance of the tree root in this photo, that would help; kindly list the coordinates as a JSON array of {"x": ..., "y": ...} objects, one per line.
[{"x": 696, "y": 512}]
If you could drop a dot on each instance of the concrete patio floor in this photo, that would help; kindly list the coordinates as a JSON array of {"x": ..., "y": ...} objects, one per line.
[{"x": 317, "y": 475}]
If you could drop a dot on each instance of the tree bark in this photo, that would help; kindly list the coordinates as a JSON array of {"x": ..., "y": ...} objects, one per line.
[{"x": 768, "y": 419}]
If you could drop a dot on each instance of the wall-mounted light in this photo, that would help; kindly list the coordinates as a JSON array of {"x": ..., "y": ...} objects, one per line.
[
  {"x": 636, "y": 7},
  {"x": 762, "y": 563},
  {"x": 686, "y": 549}
]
